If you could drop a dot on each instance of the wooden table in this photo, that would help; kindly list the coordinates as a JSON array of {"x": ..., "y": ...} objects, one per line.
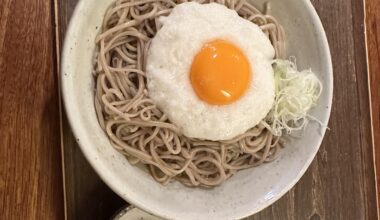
[{"x": 340, "y": 183}]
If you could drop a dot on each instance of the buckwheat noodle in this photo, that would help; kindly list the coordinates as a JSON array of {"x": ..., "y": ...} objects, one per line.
[{"x": 141, "y": 131}]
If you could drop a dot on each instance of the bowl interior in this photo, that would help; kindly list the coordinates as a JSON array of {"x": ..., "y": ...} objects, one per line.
[{"x": 245, "y": 193}]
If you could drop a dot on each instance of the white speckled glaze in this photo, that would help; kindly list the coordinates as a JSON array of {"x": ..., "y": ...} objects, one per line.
[{"x": 245, "y": 193}]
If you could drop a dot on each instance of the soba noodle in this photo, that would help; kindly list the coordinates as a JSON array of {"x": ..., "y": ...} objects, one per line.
[{"x": 143, "y": 133}]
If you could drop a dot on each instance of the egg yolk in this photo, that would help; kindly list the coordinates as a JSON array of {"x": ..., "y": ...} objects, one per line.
[{"x": 220, "y": 73}]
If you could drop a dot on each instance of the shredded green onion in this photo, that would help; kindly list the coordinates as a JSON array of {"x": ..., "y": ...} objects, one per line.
[{"x": 296, "y": 93}]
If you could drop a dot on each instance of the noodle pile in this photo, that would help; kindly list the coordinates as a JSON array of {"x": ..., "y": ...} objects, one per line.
[{"x": 143, "y": 133}]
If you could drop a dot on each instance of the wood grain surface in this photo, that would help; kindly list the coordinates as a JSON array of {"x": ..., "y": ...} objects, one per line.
[
  {"x": 373, "y": 45},
  {"x": 340, "y": 183},
  {"x": 30, "y": 161}
]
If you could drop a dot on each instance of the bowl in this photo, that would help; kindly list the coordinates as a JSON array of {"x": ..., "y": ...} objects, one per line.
[{"x": 248, "y": 191}]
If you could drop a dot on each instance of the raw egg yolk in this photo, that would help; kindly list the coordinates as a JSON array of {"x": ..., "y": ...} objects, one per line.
[{"x": 220, "y": 73}]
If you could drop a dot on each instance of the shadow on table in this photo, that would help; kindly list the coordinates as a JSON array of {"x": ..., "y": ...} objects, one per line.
[{"x": 88, "y": 197}]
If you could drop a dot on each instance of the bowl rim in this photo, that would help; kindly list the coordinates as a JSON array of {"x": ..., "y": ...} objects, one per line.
[{"x": 106, "y": 176}]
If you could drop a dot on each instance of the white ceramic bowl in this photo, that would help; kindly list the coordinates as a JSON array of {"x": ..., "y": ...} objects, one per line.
[{"x": 245, "y": 193}]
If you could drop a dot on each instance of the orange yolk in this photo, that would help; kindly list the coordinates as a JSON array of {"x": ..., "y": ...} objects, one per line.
[{"x": 220, "y": 73}]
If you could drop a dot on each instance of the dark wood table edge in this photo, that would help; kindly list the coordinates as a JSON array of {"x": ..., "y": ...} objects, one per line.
[
  {"x": 57, "y": 42},
  {"x": 374, "y": 147},
  {"x": 369, "y": 17}
]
